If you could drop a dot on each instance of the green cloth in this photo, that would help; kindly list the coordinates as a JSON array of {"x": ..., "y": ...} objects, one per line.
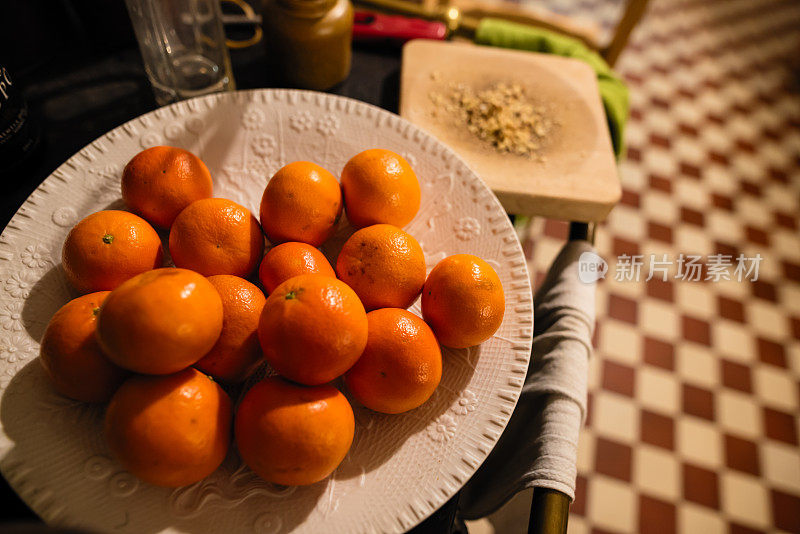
[{"x": 613, "y": 92}]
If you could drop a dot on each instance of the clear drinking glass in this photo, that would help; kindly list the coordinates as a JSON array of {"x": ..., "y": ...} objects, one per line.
[{"x": 183, "y": 47}]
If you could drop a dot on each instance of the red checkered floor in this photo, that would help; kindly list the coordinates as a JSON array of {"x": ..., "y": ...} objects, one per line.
[{"x": 695, "y": 385}]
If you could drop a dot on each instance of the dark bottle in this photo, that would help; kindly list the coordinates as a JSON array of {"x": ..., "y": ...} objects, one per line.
[{"x": 19, "y": 135}]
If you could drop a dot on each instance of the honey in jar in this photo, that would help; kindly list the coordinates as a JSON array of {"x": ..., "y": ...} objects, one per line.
[{"x": 308, "y": 41}]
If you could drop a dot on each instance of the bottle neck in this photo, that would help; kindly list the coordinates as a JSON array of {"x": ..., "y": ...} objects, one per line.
[{"x": 307, "y": 8}]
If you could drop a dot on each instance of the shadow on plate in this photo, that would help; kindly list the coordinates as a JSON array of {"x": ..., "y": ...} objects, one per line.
[
  {"x": 117, "y": 204},
  {"x": 47, "y": 295},
  {"x": 379, "y": 436}
]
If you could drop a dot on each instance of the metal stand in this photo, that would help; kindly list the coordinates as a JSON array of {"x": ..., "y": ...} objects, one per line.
[
  {"x": 582, "y": 231},
  {"x": 549, "y": 512},
  {"x": 550, "y": 508}
]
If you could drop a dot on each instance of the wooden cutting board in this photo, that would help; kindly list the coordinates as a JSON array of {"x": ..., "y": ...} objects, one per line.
[{"x": 578, "y": 179}]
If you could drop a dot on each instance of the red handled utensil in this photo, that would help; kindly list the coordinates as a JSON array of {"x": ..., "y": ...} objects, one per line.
[{"x": 369, "y": 27}]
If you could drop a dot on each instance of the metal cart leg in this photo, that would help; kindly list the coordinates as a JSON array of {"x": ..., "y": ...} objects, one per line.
[
  {"x": 582, "y": 231},
  {"x": 549, "y": 512},
  {"x": 550, "y": 508}
]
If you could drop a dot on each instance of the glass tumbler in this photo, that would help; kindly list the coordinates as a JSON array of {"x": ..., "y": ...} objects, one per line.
[{"x": 183, "y": 47}]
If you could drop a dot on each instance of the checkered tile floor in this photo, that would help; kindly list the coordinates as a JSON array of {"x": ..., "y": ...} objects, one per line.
[{"x": 695, "y": 386}]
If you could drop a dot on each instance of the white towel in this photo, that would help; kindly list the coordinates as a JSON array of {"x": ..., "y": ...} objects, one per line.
[{"x": 539, "y": 445}]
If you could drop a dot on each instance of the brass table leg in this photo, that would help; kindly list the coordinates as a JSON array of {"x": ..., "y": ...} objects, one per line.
[
  {"x": 582, "y": 230},
  {"x": 549, "y": 512},
  {"x": 550, "y": 508}
]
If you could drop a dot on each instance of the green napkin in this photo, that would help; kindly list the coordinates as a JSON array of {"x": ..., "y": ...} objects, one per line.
[{"x": 613, "y": 92}]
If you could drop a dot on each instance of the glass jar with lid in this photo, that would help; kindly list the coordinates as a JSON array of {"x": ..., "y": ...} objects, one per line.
[{"x": 308, "y": 41}]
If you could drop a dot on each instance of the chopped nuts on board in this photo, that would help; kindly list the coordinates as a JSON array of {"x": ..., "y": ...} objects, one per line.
[
  {"x": 501, "y": 115},
  {"x": 578, "y": 181}
]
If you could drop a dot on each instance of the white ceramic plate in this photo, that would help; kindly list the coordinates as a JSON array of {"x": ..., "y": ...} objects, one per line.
[{"x": 400, "y": 468}]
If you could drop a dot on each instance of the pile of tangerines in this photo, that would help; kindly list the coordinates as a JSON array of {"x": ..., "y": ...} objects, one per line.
[{"x": 156, "y": 342}]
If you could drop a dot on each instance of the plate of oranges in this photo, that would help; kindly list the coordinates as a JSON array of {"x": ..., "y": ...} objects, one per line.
[{"x": 263, "y": 311}]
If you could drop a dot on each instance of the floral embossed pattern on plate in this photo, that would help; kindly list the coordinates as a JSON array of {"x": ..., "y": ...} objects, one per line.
[{"x": 400, "y": 468}]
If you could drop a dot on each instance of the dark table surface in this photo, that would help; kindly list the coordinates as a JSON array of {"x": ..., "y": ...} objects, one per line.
[
  {"x": 82, "y": 101},
  {"x": 83, "y": 89}
]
